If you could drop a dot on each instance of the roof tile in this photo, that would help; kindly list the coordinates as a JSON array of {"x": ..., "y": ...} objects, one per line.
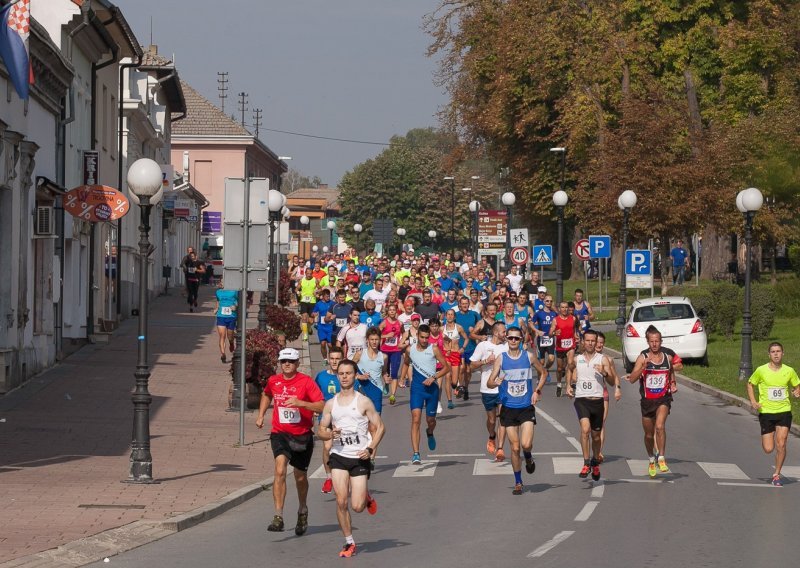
[{"x": 203, "y": 118}]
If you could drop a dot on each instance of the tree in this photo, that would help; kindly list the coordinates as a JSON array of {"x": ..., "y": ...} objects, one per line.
[{"x": 293, "y": 180}]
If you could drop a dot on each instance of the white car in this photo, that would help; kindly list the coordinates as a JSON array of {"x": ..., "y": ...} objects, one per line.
[{"x": 681, "y": 329}]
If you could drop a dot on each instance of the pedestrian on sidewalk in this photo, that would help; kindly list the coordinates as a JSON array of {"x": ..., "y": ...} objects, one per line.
[
  {"x": 297, "y": 397},
  {"x": 193, "y": 270}
]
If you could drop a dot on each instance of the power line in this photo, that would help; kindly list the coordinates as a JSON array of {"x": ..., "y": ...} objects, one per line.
[{"x": 327, "y": 137}]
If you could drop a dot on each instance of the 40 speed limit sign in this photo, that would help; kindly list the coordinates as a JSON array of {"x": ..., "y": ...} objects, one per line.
[{"x": 519, "y": 256}]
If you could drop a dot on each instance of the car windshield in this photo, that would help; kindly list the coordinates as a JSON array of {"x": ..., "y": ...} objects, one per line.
[{"x": 663, "y": 312}]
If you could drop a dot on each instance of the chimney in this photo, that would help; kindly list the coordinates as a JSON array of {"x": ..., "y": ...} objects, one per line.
[
  {"x": 152, "y": 49},
  {"x": 322, "y": 186}
]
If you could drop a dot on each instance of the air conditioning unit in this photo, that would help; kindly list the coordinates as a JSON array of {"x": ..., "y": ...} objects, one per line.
[{"x": 45, "y": 221}]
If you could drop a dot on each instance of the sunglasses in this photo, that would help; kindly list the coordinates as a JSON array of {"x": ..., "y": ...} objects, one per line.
[{"x": 514, "y": 338}]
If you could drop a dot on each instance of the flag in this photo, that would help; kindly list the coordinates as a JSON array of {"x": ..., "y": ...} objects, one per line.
[{"x": 15, "y": 21}]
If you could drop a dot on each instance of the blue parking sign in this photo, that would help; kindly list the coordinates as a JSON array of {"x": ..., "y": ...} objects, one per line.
[
  {"x": 599, "y": 246},
  {"x": 638, "y": 262}
]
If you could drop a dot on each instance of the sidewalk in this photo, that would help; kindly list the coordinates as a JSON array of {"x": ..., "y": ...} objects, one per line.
[{"x": 65, "y": 441}]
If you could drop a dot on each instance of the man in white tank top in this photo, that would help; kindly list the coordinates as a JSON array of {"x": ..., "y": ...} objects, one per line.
[
  {"x": 591, "y": 371},
  {"x": 347, "y": 420}
]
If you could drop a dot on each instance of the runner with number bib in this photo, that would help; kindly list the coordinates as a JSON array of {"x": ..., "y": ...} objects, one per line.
[
  {"x": 564, "y": 329},
  {"x": 328, "y": 382}
]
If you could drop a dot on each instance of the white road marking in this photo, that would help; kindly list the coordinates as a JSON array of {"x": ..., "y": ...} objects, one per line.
[
  {"x": 551, "y": 544},
  {"x": 557, "y": 425},
  {"x": 491, "y": 467},
  {"x": 638, "y": 467},
  {"x": 791, "y": 471},
  {"x": 741, "y": 484},
  {"x": 587, "y": 511},
  {"x": 319, "y": 473},
  {"x": 598, "y": 490},
  {"x": 455, "y": 455},
  {"x": 577, "y": 453},
  {"x": 643, "y": 480},
  {"x": 575, "y": 443},
  {"x": 723, "y": 470},
  {"x": 567, "y": 466},
  {"x": 406, "y": 469}
]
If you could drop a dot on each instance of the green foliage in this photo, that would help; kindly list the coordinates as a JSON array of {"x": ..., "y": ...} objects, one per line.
[
  {"x": 719, "y": 306},
  {"x": 763, "y": 303},
  {"x": 794, "y": 259}
]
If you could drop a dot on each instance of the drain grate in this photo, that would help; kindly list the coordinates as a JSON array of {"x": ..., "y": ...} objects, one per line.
[{"x": 109, "y": 506}]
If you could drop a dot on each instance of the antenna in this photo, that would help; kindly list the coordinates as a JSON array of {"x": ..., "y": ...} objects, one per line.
[
  {"x": 222, "y": 87},
  {"x": 151, "y": 30},
  {"x": 242, "y": 104},
  {"x": 257, "y": 119}
]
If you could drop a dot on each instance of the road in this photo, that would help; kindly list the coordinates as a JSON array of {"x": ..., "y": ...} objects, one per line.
[{"x": 715, "y": 508}]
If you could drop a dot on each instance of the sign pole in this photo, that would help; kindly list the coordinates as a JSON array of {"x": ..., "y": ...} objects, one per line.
[{"x": 243, "y": 309}]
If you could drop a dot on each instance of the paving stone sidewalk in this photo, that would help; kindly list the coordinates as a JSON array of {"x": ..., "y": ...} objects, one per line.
[{"x": 65, "y": 442}]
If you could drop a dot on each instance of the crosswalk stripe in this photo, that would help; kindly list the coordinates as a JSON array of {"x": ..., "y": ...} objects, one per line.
[
  {"x": 722, "y": 470},
  {"x": 406, "y": 469},
  {"x": 638, "y": 467},
  {"x": 567, "y": 466},
  {"x": 319, "y": 473},
  {"x": 491, "y": 467},
  {"x": 791, "y": 471}
]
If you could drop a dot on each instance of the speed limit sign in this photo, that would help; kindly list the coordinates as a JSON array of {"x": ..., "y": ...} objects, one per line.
[{"x": 519, "y": 256}]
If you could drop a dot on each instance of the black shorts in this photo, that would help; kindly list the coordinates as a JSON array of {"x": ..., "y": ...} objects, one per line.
[
  {"x": 306, "y": 308},
  {"x": 770, "y": 421},
  {"x": 354, "y": 466},
  {"x": 650, "y": 406},
  {"x": 298, "y": 458},
  {"x": 517, "y": 416},
  {"x": 549, "y": 350},
  {"x": 591, "y": 408}
]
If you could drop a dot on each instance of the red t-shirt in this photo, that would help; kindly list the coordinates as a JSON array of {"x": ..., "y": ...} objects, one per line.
[
  {"x": 290, "y": 419},
  {"x": 566, "y": 339}
]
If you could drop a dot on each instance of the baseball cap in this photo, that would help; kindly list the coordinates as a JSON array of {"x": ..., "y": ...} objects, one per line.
[
  {"x": 416, "y": 317},
  {"x": 542, "y": 289},
  {"x": 289, "y": 354}
]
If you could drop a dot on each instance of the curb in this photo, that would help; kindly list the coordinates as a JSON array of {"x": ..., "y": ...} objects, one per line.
[
  {"x": 122, "y": 539},
  {"x": 731, "y": 399}
]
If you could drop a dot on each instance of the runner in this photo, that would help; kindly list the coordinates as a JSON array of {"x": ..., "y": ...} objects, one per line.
[
  {"x": 583, "y": 311},
  {"x": 227, "y": 300},
  {"x": 467, "y": 319},
  {"x": 564, "y": 329},
  {"x": 353, "y": 336},
  {"x": 324, "y": 326},
  {"x": 193, "y": 270},
  {"x": 591, "y": 374},
  {"x": 655, "y": 370},
  {"x": 339, "y": 314},
  {"x": 297, "y": 398},
  {"x": 372, "y": 378},
  {"x": 774, "y": 409},
  {"x": 308, "y": 297},
  {"x": 483, "y": 360},
  {"x": 391, "y": 334},
  {"x": 328, "y": 382},
  {"x": 454, "y": 338},
  {"x": 423, "y": 358},
  {"x": 601, "y": 343},
  {"x": 347, "y": 421},
  {"x": 427, "y": 309},
  {"x": 512, "y": 373},
  {"x": 405, "y": 317},
  {"x": 376, "y": 294},
  {"x": 483, "y": 329},
  {"x": 545, "y": 344}
]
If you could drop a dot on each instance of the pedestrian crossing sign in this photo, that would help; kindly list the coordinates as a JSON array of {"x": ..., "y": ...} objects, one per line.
[{"x": 542, "y": 255}]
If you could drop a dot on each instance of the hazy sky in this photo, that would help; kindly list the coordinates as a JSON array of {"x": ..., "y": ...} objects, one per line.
[{"x": 351, "y": 69}]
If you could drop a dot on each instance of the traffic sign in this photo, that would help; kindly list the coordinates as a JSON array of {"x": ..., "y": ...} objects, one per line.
[
  {"x": 492, "y": 225},
  {"x": 519, "y": 256},
  {"x": 638, "y": 268},
  {"x": 599, "y": 246},
  {"x": 519, "y": 238},
  {"x": 542, "y": 255},
  {"x": 582, "y": 249}
]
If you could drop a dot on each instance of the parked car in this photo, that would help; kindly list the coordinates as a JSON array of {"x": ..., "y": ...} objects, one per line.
[{"x": 681, "y": 328}]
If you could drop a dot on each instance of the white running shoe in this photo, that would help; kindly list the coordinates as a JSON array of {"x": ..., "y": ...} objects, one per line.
[{"x": 439, "y": 408}]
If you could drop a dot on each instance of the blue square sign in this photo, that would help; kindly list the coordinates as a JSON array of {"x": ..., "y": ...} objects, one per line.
[
  {"x": 638, "y": 262},
  {"x": 599, "y": 246},
  {"x": 542, "y": 255}
]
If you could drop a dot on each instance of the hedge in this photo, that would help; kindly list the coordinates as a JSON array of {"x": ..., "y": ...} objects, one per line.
[
  {"x": 763, "y": 304},
  {"x": 283, "y": 320}
]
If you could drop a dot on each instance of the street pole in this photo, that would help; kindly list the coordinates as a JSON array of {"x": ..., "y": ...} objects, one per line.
[
  {"x": 560, "y": 261},
  {"x": 746, "y": 359},
  {"x": 274, "y": 295},
  {"x": 622, "y": 279},
  {"x": 452, "y": 219}
]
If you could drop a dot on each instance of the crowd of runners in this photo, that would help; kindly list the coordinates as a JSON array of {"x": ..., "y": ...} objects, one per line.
[{"x": 426, "y": 324}]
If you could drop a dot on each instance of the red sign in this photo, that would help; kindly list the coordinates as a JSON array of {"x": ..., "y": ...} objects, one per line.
[
  {"x": 582, "y": 249},
  {"x": 519, "y": 256},
  {"x": 96, "y": 203}
]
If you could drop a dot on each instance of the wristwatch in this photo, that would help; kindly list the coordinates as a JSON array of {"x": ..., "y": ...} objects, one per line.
[{"x": 370, "y": 450}]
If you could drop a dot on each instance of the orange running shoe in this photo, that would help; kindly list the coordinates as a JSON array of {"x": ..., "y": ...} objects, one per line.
[
  {"x": 500, "y": 455},
  {"x": 490, "y": 446},
  {"x": 347, "y": 551},
  {"x": 584, "y": 473},
  {"x": 327, "y": 485},
  {"x": 372, "y": 505}
]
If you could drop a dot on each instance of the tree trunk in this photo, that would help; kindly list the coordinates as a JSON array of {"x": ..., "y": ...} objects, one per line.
[
  {"x": 578, "y": 266},
  {"x": 715, "y": 253}
]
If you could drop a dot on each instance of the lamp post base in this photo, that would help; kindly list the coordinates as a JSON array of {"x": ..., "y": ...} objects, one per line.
[{"x": 141, "y": 473}]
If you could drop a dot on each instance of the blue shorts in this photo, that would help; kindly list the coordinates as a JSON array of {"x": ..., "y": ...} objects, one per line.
[
  {"x": 425, "y": 396},
  {"x": 227, "y": 322},
  {"x": 325, "y": 333},
  {"x": 490, "y": 401},
  {"x": 395, "y": 359},
  {"x": 467, "y": 355},
  {"x": 371, "y": 392}
]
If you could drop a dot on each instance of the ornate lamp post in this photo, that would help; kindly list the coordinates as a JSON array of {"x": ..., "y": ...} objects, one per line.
[
  {"x": 432, "y": 237},
  {"x": 357, "y": 228},
  {"x": 452, "y": 181},
  {"x": 626, "y": 202},
  {"x": 401, "y": 232},
  {"x": 331, "y": 227},
  {"x": 474, "y": 207},
  {"x": 508, "y": 200},
  {"x": 748, "y": 201},
  {"x": 560, "y": 199},
  {"x": 144, "y": 182}
]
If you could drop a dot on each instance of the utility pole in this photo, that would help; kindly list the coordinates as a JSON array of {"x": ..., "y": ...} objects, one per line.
[
  {"x": 257, "y": 119},
  {"x": 242, "y": 105},
  {"x": 222, "y": 87}
]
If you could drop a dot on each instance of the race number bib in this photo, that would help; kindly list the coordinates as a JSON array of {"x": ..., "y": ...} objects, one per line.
[
  {"x": 349, "y": 439},
  {"x": 391, "y": 341},
  {"x": 191, "y": 270},
  {"x": 288, "y": 415},
  {"x": 341, "y": 322},
  {"x": 587, "y": 388},
  {"x": 776, "y": 394},
  {"x": 518, "y": 388},
  {"x": 545, "y": 341},
  {"x": 655, "y": 382},
  {"x": 566, "y": 343},
  {"x": 584, "y": 324},
  {"x": 226, "y": 310},
  {"x": 307, "y": 299},
  {"x": 351, "y": 351}
]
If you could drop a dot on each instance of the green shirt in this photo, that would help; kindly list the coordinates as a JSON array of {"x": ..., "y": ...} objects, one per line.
[
  {"x": 773, "y": 388},
  {"x": 307, "y": 289}
]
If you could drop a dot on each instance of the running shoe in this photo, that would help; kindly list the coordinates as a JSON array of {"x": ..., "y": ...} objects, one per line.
[
  {"x": 558, "y": 389},
  {"x": 530, "y": 465},
  {"x": 385, "y": 389},
  {"x": 491, "y": 447},
  {"x": 500, "y": 455},
  {"x": 348, "y": 550},
  {"x": 596, "y": 472},
  {"x": 466, "y": 394},
  {"x": 392, "y": 399},
  {"x": 223, "y": 358},
  {"x": 651, "y": 469},
  {"x": 305, "y": 337},
  {"x": 372, "y": 505},
  {"x": 439, "y": 408},
  {"x": 276, "y": 525},
  {"x": 327, "y": 485},
  {"x": 776, "y": 481},
  {"x": 431, "y": 440},
  {"x": 302, "y": 524},
  {"x": 459, "y": 392},
  {"x": 517, "y": 489},
  {"x": 584, "y": 473},
  {"x": 547, "y": 380},
  {"x": 662, "y": 465},
  {"x": 450, "y": 405},
  {"x": 415, "y": 459}
]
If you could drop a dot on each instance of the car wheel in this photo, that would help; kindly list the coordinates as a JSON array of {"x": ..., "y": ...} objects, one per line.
[
  {"x": 627, "y": 364},
  {"x": 704, "y": 360}
]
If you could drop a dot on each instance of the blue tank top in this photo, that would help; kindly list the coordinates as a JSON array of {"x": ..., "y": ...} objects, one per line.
[
  {"x": 516, "y": 389},
  {"x": 583, "y": 317},
  {"x": 423, "y": 365},
  {"x": 373, "y": 367},
  {"x": 328, "y": 383}
]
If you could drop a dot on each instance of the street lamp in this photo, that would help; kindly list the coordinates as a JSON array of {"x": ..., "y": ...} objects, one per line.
[
  {"x": 325, "y": 250},
  {"x": 560, "y": 199},
  {"x": 452, "y": 181},
  {"x": 626, "y": 202},
  {"x": 304, "y": 221},
  {"x": 432, "y": 237},
  {"x": 357, "y": 228},
  {"x": 276, "y": 201},
  {"x": 144, "y": 181},
  {"x": 748, "y": 201},
  {"x": 331, "y": 227},
  {"x": 401, "y": 232},
  {"x": 508, "y": 200},
  {"x": 474, "y": 207}
]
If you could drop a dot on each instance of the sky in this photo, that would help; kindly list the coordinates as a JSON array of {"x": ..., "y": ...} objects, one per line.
[{"x": 353, "y": 69}]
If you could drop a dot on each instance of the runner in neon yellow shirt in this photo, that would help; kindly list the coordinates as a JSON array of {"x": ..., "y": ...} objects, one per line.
[{"x": 774, "y": 381}]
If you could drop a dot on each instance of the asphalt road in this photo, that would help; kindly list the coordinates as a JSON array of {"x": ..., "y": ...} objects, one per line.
[{"x": 715, "y": 508}]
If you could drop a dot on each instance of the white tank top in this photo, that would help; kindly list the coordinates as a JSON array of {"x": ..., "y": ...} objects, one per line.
[
  {"x": 590, "y": 381},
  {"x": 354, "y": 425},
  {"x": 451, "y": 333}
]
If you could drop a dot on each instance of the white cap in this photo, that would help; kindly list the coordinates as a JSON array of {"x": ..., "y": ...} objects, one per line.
[
  {"x": 542, "y": 289},
  {"x": 289, "y": 354}
]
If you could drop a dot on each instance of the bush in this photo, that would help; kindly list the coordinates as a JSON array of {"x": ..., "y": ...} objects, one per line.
[
  {"x": 788, "y": 292},
  {"x": 794, "y": 258},
  {"x": 284, "y": 289},
  {"x": 283, "y": 320},
  {"x": 719, "y": 306},
  {"x": 261, "y": 348},
  {"x": 763, "y": 304}
]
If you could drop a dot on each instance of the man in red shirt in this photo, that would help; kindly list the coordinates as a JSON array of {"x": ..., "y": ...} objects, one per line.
[{"x": 297, "y": 397}]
